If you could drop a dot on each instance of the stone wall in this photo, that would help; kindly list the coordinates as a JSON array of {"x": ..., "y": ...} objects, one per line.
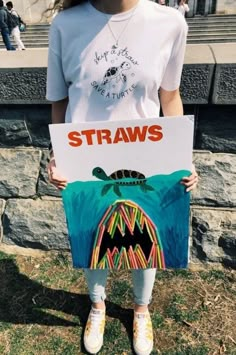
[{"x": 31, "y": 209}]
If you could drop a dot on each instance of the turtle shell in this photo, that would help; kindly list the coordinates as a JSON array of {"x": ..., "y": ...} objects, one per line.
[
  {"x": 122, "y": 174},
  {"x": 111, "y": 71}
]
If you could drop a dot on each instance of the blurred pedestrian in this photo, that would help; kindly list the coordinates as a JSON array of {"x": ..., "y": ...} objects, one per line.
[
  {"x": 4, "y": 27},
  {"x": 182, "y": 7},
  {"x": 16, "y": 30}
]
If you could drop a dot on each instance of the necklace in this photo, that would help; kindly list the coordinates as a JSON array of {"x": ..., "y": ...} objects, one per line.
[{"x": 115, "y": 37}]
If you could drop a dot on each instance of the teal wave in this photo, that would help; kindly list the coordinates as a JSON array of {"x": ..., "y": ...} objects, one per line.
[{"x": 167, "y": 205}]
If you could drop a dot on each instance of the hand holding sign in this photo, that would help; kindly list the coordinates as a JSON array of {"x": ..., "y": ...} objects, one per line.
[{"x": 54, "y": 175}]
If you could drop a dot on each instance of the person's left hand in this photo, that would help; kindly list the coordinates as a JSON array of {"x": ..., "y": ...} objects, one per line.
[{"x": 190, "y": 181}]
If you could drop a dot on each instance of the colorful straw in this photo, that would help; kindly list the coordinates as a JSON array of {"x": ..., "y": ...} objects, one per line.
[{"x": 122, "y": 217}]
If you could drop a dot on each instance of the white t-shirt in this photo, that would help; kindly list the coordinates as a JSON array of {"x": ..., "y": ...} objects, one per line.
[{"x": 109, "y": 82}]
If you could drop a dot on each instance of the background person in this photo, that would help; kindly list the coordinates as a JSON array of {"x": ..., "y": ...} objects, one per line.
[
  {"x": 16, "y": 30},
  {"x": 182, "y": 7},
  {"x": 4, "y": 28},
  {"x": 85, "y": 39}
]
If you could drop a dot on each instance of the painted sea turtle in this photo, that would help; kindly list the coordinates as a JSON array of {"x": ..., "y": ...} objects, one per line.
[
  {"x": 116, "y": 73},
  {"x": 118, "y": 178}
]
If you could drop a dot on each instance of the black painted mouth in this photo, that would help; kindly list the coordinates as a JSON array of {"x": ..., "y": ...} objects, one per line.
[{"x": 128, "y": 240}]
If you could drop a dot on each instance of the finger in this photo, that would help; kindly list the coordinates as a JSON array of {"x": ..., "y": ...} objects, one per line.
[
  {"x": 193, "y": 175},
  {"x": 56, "y": 179},
  {"x": 59, "y": 186},
  {"x": 189, "y": 183},
  {"x": 191, "y": 187},
  {"x": 188, "y": 179}
]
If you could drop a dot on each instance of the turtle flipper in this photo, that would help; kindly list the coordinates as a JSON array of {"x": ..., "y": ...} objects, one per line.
[
  {"x": 117, "y": 190},
  {"x": 146, "y": 188},
  {"x": 106, "y": 188}
]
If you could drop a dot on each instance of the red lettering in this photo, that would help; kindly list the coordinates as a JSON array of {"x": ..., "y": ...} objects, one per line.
[
  {"x": 121, "y": 136},
  {"x": 155, "y": 134},
  {"x": 104, "y": 134},
  {"x": 137, "y": 133},
  {"x": 88, "y": 134},
  {"x": 75, "y": 140},
  {"x": 126, "y": 135}
]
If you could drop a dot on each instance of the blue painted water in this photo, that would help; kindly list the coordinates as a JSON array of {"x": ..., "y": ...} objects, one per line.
[{"x": 167, "y": 205}]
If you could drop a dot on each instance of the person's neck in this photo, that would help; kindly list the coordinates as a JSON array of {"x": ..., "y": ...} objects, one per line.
[{"x": 114, "y": 6}]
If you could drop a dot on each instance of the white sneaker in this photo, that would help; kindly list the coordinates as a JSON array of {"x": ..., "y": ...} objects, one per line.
[
  {"x": 142, "y": 333},
  {"x": 94, "y": 330}
]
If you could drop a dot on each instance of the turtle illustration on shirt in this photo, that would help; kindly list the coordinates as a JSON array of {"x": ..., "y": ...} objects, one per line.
[{"x": 116, "y": 73}]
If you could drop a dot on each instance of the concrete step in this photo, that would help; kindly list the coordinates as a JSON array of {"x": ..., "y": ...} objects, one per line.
[
  {"x": 35, "y": 38},
  {"x": 209, "y": 25},
  {"x": 207, "y": 19},
  {"x": 211, "y": 29},
  {"x": 215, "y": 35},
  {"x": 212, "y": 18},
  {"x": 211, "y": 40},
  {"x": 34, "y": 42},
  {"x": 29, "y": 45},
  {"x": 212, "y": 32},
  {"x": 35, "y": 31}
]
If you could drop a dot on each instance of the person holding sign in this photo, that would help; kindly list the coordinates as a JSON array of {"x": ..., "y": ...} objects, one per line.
[{"x": 107, "y": 61}]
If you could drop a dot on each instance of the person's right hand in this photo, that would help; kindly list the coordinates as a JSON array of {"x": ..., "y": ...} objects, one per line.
[{"x": 54, "y": 176}]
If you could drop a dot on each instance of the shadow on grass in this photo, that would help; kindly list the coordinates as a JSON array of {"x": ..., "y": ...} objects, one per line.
[{"x": 24, "y": 301}]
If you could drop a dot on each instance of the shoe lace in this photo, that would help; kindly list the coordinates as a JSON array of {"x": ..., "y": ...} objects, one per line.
[
  {"x": 142, "y": 328},
  {"x": 95, "y": 323}
]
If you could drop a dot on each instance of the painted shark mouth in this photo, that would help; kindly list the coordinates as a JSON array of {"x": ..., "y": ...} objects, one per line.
[{"x": 127, "y": 238}]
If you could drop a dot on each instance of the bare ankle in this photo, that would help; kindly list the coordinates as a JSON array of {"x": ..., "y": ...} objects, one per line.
[
  {"x": 140, "y": 309},
  {"x": 99, "y": 305}
]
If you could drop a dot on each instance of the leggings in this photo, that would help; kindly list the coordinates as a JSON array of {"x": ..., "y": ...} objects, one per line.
[{"x": 143, "y": 281}]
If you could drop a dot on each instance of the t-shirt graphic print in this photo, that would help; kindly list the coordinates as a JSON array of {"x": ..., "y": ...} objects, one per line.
[{"x": 118, "y": 80}]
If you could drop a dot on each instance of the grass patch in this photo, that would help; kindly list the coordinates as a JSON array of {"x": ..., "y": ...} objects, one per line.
[
  {"x": 120, "y": 291},
  {"x": 189, "y": 350},
  {"x": 44, "y": 307},
  {"x": 179, "y": 311},
  {"x": 5, "y": 326},
  {"x": 157, "y": 320},
  {"x": 213, "y": 275},
  {"x": 115, "y": 338},
  {"x": 4, "y": 256}
]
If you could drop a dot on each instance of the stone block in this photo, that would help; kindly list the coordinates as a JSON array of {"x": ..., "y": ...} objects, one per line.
[
  {"x": 217, "y": 179},
  {"x": 216, "y": 128},
  {"x": 23, "y": 85},
  {"x": 19, "y": 172},
  {"x": 214, "y": 236},
  {"x": 37, "y": 224},
  {"x": 38, "y": 130},
  {"x": 2, "y": 207},
  {"x": 13, "y": 132},
  {"x": 224, "y": 89},
  {"x": 197, "y": 74},
  {"x": 44, "y": 187},
  {"x": 196, "y": 83},
  {"x": 25, "y": 125}
]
